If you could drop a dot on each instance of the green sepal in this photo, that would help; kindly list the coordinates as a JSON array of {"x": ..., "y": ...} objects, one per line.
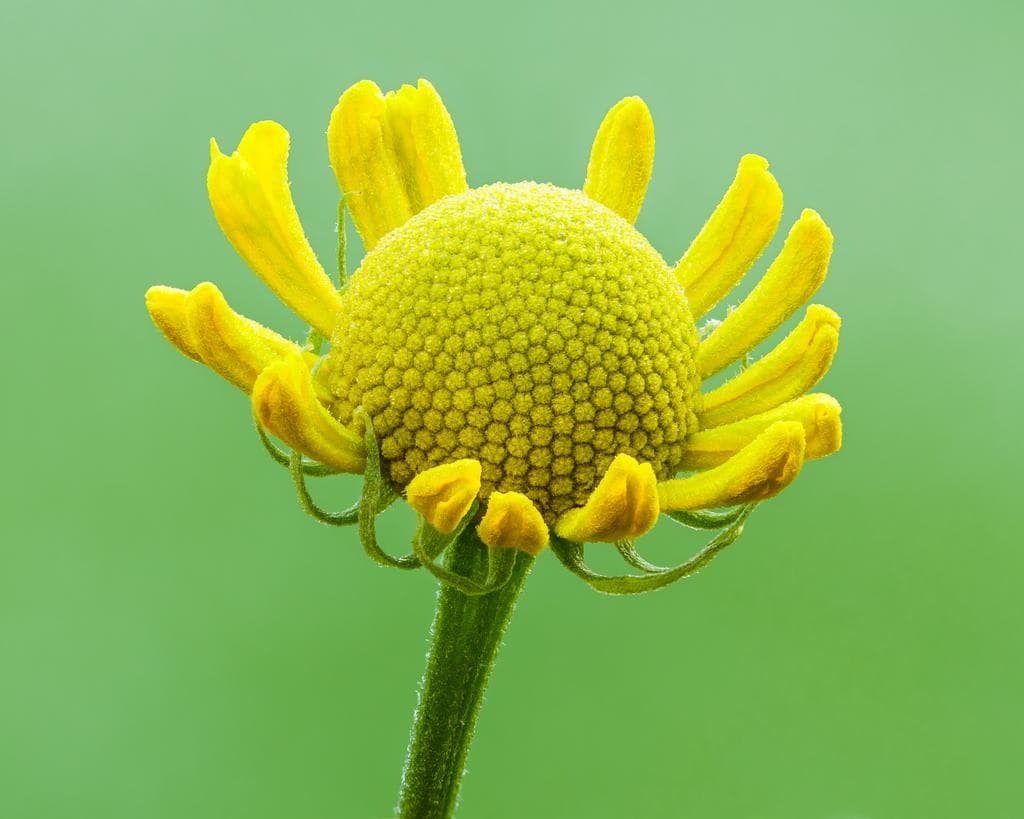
[
  {"x": 377, "y": 496},
  {"x": 310, "y": 468},
  {"x": 572, "y": 557},
  {"x": 629, "y": 553},
  {"x": 429, "y": 544},
  {"x": 345, "y": 518},
  {"x": 314, "y": 341},
  {"x": 706, "y": 520}
]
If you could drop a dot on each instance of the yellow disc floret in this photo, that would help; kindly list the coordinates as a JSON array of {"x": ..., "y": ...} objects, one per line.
[{"x": 523, "y": 325}]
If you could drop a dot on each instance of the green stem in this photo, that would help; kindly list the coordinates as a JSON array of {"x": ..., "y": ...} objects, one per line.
[{"x": 466, "y": 634}]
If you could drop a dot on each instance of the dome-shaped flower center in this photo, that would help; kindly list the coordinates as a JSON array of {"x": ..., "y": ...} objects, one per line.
[{"x": 523, "y": 325}]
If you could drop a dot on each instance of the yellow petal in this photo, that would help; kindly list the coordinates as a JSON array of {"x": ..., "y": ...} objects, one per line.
[
  {"x": 734, "y": 236},
  {"x": 817, "y": 413},
  {"x": 443, "y": 494},
  {"x": 513, "y": 522},
  {"x": 285, "y": 404},
  {"x": 623, "y": 505},
  {"x": 796, "y": 273},
  {"x": 392, "y": 154},
  {"x": 796, "y": 364},
  {"x": 622, "y": 158},
  {"x": 763, "y": 468},
  {"x": 233, "y": 346},
  {"x": 166, "y": 306},
  {"x": 253, "y": 204}
]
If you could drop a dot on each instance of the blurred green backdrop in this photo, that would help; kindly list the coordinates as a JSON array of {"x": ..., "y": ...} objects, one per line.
[{"x": 178, "y": 640}]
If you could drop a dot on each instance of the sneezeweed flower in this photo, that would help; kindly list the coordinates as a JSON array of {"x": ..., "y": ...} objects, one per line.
[{"x": 519, "y": 362}]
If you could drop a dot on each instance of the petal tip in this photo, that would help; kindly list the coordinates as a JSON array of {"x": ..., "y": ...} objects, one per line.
[
  {"x": 168, "y": 309},
  {"x": 753, "y": 162},
  {"x": 824, "y": 316},
  {"x": 827, "y": 427}
]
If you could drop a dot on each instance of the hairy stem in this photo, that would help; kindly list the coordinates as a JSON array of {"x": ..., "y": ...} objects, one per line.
[{"x": 466, "y": 634}]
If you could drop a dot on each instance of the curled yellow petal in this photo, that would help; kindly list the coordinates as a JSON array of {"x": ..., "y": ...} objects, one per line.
[
  {"x": 734, "y": 236},
  {"x": 796, "y": 273},
  {"x": 623, "y": 505},
  {"x": 817, "y": 413},
  {"x": 622, "y": 158},
  {"x": 761, "y": 469},
  {"x": 166, "y": 306},
  {"x": 233, "y": 346},
  {"x": 513, "y": 522},
  {"x": 796, "y": 364},
  {"x": 285, "y": 404},
  {"x": 253, "y": 204},
  {"x": 443, "y": 494},
  {"x": 392, "y": 154}
]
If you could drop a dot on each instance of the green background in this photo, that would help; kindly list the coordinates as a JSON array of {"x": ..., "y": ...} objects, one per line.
[{"x": 178, "y": 640}]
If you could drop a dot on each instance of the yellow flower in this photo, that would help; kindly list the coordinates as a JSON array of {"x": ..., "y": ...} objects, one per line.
[{"x": 521, "y": 347}]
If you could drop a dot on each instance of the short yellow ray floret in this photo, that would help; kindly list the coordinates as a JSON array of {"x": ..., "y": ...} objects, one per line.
[
  {"x": 763, "y": 468},
  {"x": 817, "y": 413},
  {"x": 624, "y": 505},
  {"x": 734, "y": 236},
  {"x": 796, "y": 364},
  {"x": 622, "y": 158},
  {"x": 513, "y": 522},
  {"x": 443, "y": 494},
  {"x": 392, "y": 154},
  {"x": 285, "y": 404},
  {"x": 792, "y": 279},
  {"x": 253, "y": 204}
]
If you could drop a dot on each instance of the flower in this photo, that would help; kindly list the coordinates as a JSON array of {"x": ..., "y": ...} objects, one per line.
[{"x": 518, "y": 355}]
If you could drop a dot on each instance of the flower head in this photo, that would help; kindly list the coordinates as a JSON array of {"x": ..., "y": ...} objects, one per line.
[{"x": 517, "y": 358}]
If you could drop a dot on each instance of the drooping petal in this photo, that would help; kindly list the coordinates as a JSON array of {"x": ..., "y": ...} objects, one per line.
[
  {"x": 443, "y": 494},
  {"x": 285, "y": 404},
  {"x": 817, "y": 413},
  {"x": 253, "y": 204},
  {"x": 513, "y": 522},
  {"x": 622, "y": 158},
  {"x": 796, "y": 364},
  {"x": 233, "y": 346},
  {"x": 792, "y": 279},
  {"x": 201, "y": 325},
  {"x": 623, "y": 505},
  {"x": 761, "y": 469},
  {"x": 166, "y": 306},
  {"x": 734, "y": 236},
  {"x": 393, "y": 154}
]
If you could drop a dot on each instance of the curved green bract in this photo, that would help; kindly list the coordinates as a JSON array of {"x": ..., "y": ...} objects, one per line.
[
  {"x": 429, "y": 544},
  {"x": 571, "y": 556},
  {"x": 278, "y": 455},
  {"x": 377, "y": 496},
  {"x": 629, "y": 553},
  {"x": 707, "y": 520},
  {"x": 348, "y": 517}
]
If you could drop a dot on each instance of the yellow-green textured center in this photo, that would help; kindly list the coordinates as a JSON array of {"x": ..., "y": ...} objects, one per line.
[{"x": 523, "y": 325}]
